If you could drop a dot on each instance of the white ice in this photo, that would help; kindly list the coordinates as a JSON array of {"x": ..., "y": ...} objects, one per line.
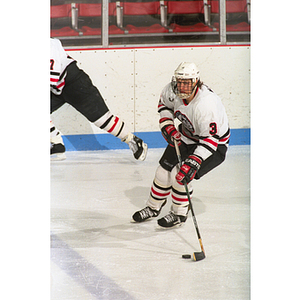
[{"x": 98, "y": 253}]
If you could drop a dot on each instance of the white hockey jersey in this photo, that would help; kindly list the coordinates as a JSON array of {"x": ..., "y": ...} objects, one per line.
[
  {"x": 203, "y": 121},
  {"x": 59, "y": 60}
]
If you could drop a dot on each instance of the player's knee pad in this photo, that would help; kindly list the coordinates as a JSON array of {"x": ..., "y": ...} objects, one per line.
[
  {"x": 162, "y": 177},
  {"x": 175, "y": 184}
]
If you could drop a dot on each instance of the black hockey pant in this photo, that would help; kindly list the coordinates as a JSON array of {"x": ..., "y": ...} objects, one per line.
[
  {"x": 169, "y": 158},
  {"x": 81, "y": 94}
]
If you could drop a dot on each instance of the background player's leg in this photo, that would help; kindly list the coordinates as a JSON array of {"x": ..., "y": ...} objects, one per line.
[
  {"x": 86, "y": 98},
  {"x": 56, "y": 101},
  {"x": 57, "y": 147}
]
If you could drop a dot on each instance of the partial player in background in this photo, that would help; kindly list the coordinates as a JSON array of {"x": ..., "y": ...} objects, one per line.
[
  {"x": 203, "y": 136},
  {"x": 69, "y": 84},
  {"x": 57, "y": 147}
]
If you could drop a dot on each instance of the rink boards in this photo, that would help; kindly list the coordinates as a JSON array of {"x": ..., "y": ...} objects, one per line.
[{"x": 131, "y": 79}]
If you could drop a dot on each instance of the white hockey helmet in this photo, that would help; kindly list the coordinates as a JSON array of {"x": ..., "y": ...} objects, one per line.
[{"x": 186, "y": 70}]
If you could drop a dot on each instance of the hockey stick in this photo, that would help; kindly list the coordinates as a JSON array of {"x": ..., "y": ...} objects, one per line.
[{"x": 197, "y": 255}]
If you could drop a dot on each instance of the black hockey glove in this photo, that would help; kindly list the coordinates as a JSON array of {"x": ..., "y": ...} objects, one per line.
[
  {"x": 169, "y": 131},
  {"x": 189, "y": 169}
]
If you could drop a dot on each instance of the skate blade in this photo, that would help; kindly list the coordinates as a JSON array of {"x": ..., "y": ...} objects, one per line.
[
  {"x": 145, "y": 221},
  {"x": 161, "y": 228}
]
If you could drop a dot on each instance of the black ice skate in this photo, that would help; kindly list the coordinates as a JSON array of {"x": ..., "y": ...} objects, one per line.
[
  {"x": 171, "y": 220},
  {"x": 57, "y": 151},
  {"x": 138, "y": 147},
  {"x": 146, "y": 213}
]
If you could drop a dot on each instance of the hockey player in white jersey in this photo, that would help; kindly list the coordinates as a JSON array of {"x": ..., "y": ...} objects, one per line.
[
  {"x": 69, "y": 84},
  {"x": 203, "y": 136}
]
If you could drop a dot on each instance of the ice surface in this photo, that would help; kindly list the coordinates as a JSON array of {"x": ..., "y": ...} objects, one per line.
[{"x": 98, "y": 253}]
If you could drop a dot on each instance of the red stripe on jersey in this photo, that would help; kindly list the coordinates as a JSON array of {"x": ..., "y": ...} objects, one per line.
[
  {"x": 53, "y": 80},
  {"x": 159, "y": 194},
  {"x": 224, "y": 140},
  {"x": 208, "y": 140},
  {"x": 164, "y": 119},
  {"x": 61, "y": 84},
  {"x": 114, "y": 125}
]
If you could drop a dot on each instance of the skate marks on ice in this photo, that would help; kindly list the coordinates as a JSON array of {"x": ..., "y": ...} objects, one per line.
[{"x": 97, "y": 253}]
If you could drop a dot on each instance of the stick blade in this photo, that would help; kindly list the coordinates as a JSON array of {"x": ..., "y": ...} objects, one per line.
[{"x": 199, "y": 256}]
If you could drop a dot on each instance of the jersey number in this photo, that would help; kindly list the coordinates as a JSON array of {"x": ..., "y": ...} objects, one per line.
[
  {"x": 213, "y": 128},
  {"x": 51, "y": 64}
]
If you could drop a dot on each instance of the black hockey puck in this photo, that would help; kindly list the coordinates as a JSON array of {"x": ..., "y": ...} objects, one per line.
[{"x": 186, "y": 256}]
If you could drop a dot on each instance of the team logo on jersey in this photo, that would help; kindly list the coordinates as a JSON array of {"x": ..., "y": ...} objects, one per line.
[
  {"x": 185, "y": 121},
  {"x": 171, "y": 99}
]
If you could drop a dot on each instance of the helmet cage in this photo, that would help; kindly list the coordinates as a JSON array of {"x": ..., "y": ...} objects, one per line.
[
  {"x": 185, "y": 71},
  {"x": 180, "y": 94}
]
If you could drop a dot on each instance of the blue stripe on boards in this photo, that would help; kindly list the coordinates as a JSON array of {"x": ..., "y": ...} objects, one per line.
[
  {"x": 241, "y": 136},
  {"x": 154, "y": 139}
]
